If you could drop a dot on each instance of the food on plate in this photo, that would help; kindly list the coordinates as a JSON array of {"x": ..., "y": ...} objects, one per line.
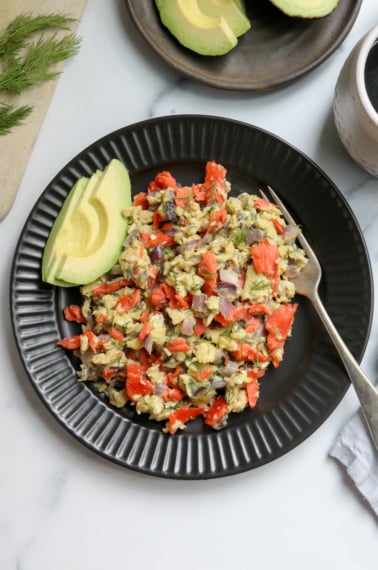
[
  {"x": 197, "y": 307},
  {"x": 86, "y": 238},
  {"x": 207, "y": 27},
  {"x": 306, "y": 8}
]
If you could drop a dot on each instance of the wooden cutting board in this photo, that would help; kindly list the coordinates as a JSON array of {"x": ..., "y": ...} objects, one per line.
[{"x": 16, "y": 147}]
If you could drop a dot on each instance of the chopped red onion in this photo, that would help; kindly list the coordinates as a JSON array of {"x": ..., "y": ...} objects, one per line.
[
  {"x": 86, "y": 357},
  {"x": 148, "y": 343},
  {"x": 171, "y": 231},
  {"x": 230, "y": 368},
  {"x": 156, "y": 254},
  {"x": 254, "y": 235},
  {"x": 219, "y": 354},
  {"x": 229, "y": 276},
  {"x": 218, "y": 382},
  {"x": 207, "y": 238},
  {"x": 187, "y": 327},
  {"x": 257, "y": 333},
  {"x": 225, "y": 289},
  {"x": 192, "y": 244},
  {"x": 129, "y": 238},
  {"x": 104, "y": 337},
  {"x": 199, "y": 303},
  {"x": 159, "y": 389},
  {"x": 292, "y": 271},
  {"x": 225, "y": 306},
  {"x": 170, "y": 211},
  {"x": 290, "y": 233},
  {"x": 199, "y": 390}
]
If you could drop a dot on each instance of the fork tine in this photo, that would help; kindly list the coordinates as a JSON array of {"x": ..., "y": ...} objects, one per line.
[{"x": 289, "y": 218}]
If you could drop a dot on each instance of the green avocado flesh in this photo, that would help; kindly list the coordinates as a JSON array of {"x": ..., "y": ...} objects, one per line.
[
  {"x": 207, "y": 27},
  {"x": 306, "y": 8},
  {"x": 87, "y": 235},
  {"x": 231, "y": 12}
]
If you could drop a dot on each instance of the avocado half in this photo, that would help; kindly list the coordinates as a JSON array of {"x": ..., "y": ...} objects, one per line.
[
  {"x": 207, "y": 27},
  {"x": 87, "y": 235},
  {"x": 306, "y": 8}
]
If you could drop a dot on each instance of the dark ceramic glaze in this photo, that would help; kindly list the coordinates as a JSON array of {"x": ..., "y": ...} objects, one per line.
[
  {"x": 296, "y": 397},
  {"x": 371, "y": 75}
]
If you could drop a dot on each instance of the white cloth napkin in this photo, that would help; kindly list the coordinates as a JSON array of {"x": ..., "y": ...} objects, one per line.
[{"x": 355, "y": 450}]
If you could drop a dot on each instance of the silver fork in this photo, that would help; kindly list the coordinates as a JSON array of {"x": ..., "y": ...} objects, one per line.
[{"x": 307, "y": 284}]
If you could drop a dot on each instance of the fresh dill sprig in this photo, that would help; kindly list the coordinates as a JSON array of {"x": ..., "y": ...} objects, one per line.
[
  {"x": 34, "y": 67},
  {"x": 11, "y": 116},
  {"x": 13, "y": 38},
  {"x": 27, "y": 60}
]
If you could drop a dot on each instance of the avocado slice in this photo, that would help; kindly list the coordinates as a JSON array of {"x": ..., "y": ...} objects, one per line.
[
  {"x": 74, "y": 226},
  {"x": 195, "y": 30},
  {"x": 306, "y": 8},
  {"x": 231, "y": 12},
  {"x": 86, "y": 238},
  {"x": 241, "y": 5},
  {"x": 72, "y": 200}
]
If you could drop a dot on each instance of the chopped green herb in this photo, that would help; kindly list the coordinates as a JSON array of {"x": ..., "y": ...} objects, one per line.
[
  {"x": 239, "y": 237},
  {"x": 227, "y": 330},
  {"x": 189, "y": 201},
  {"x": 260, "y": 285}
]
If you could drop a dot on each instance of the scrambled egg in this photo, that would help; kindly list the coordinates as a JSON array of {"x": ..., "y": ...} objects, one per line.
[{"x": 198, "y": 305}]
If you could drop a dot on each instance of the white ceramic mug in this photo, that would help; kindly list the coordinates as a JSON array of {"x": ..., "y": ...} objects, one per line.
[{"x": 355, "y": 117}]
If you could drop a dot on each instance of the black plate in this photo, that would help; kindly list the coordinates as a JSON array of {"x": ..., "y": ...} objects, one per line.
[
  {"x": 295, "y": 398},
  {"x": 276, "y": 50}
]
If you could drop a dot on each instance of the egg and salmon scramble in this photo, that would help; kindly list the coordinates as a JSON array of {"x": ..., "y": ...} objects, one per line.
[{"x": 198, "y": 306}]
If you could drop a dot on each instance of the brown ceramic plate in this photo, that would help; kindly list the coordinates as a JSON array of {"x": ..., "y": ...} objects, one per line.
[{"x": 276, "y": 50}]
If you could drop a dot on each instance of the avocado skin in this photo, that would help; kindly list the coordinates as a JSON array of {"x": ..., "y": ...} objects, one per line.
[{"x": 86, "y": 238}]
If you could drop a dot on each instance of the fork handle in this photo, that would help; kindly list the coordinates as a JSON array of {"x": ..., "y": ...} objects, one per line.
[{"x": 365, "y": 389}]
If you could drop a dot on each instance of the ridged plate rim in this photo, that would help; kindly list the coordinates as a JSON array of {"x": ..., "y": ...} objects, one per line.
[{"x": 252, "y": 440}]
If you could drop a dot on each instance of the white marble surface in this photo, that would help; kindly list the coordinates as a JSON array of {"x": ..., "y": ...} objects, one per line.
[{"x": 62, "y": 506}]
